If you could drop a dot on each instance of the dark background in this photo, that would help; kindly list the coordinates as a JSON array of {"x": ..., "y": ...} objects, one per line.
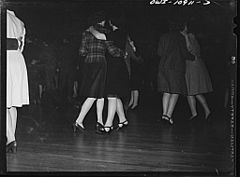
[{"x": 51, "y": 20}]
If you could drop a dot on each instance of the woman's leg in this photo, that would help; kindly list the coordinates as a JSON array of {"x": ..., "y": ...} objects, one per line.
[
  {"x": 171, "y": 105},
  {"x": 131, "y": 99},
  {"x": 40, "y": 91},
  {"x": 120, "y": 111},
  {"x": 203, "y": 102},
  {"x": 112, "y": 106},
  {"x": 11, "y": 124},
  {"x": 9, "y": 134},
  {"x": 135, "y": 98},
  {"x": 165, "y": 102},
  {"x": 75, "y": 89},
  {"x": 192, "y": 105},
  {"x": 84, "y": 110},
  {"x": 100, "y": 105}
]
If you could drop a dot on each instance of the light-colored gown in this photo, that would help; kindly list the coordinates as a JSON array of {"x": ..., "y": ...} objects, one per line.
[
  {"x": 17, "y": 79},
  {"x": 197, "y": 76}
]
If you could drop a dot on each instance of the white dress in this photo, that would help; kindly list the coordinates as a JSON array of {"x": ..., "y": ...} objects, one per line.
[{"x": 17, "y": 79}]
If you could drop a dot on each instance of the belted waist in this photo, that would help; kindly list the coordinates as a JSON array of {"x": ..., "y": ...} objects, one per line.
[{"x": 12, "y": 44}]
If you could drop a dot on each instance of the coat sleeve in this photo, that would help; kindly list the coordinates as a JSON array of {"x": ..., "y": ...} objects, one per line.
[
  {"x": 185, "y": 53},
  {"x": 194, "y": 46},
  {"x": 131, "y": 53},
  {"x": 114, "y": 51},
  {"x": 83, "y": 48}
]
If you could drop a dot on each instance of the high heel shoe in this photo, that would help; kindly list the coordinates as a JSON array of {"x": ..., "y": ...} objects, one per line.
[
  {"x": 193, "y": 117},
  {"x": 208, "y": 116},
  {"x": 165, "y": 117},
  {"x": 168, "y": 118},
  {"x": 99, "y": 128},
  {"x": 171, "y": 120},
  {"x": 134, "y": 107},
  {"x": 77, "y": 128},
  {"x": 11, "y": 147},
  {"x": 121, "y": 125},
  {"x": 108, "y": 129}
]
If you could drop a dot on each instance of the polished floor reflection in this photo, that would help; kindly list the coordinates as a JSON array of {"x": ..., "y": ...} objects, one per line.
[{"x": 46, "y": 142}]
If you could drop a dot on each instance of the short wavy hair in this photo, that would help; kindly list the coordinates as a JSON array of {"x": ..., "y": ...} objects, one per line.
[
  {"x": 176, "y": 25},
  {"x": 96, "y": 18}
]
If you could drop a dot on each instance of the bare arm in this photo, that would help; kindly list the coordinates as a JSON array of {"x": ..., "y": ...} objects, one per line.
[{"x": 22, "y": 40}]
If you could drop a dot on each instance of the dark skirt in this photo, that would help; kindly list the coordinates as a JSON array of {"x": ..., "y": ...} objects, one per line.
[
  {"x": 93, "y": 80},
  {"x": 171, "y": 81},
  {"x": 135, "y": 77},
  {"x": 117, "y": 84}
]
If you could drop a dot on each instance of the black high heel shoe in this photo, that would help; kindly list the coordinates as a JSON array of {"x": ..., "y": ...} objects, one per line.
[
  {"x": 108, "y": 129},
  {"x": 165, "y": 117},
  {"x": 121, "y": 125},
  {"x": 208, "y": 116},
  {"x": 77, "y": 128},
  {"x": 193, "y": 117},
  {"x": 168, "y": 118},
  {"x": 11, "y": 147},
  {"x": 171, "y": 120},
  {"x": 99, "y": 128}
]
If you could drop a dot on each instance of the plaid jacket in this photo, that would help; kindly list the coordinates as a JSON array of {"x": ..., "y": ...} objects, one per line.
[{"x": 94, "y": 49}]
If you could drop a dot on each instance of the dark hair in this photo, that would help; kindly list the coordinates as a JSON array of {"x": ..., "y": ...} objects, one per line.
[
  {"x": 107, "y": 25},
  {"x": 96, "y": 18},
  {"x": 176, "y": 25},
  {"x": 191, "y": 26},
  {"x": 118, "y": 22},
  {"x": 176, "y": 22},
  {"x": 117, "y": 18}
]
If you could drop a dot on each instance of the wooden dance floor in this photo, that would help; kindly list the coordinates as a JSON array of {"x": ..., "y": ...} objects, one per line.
[{"x": 46, "y": 142}]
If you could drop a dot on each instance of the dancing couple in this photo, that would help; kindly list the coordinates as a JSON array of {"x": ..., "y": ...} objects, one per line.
[
  {"x": 182, "y": 71},
  {"x": 104, "y": 73}
]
